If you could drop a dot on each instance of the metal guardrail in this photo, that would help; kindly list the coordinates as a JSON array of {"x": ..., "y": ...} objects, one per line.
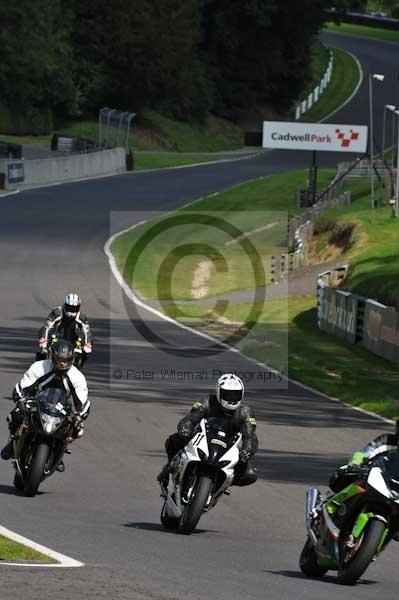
[
  {"x": 114, "y": 128},
  {"x": 357, "y": 319},
  {"x": 69, "y": 143}
]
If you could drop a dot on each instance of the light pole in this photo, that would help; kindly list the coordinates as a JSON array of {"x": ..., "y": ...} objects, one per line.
[
  {"x": 393, "y": 140},
  {"x": 379, "y": 77},
  {"x": 395, "y": 212},
  {"x": 392, "y": 108}
]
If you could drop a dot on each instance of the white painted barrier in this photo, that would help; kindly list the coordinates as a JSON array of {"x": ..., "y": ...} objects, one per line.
[
  {"x": 314, "y": 96},
  {"x": 45, "y": 171}
]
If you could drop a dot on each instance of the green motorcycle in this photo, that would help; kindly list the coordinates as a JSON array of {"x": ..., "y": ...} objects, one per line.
[{"x": 348, "y": 530}]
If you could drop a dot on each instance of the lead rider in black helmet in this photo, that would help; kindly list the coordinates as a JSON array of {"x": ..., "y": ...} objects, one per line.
[{"x": 59, "y": 372}]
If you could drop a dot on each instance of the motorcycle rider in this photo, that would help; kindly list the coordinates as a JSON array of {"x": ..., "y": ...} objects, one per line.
[
  {"x": 57, "y": 372},
  {"x": 345, "y": 474},
  {"x": 70, "y": 324},
  {"x": 227, "y": 402}
]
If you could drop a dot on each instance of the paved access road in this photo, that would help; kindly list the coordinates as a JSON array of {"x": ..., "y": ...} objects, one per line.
[{"x": 104, "y": 510}]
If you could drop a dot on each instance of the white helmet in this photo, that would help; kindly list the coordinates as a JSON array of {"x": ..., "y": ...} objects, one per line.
[
  {"x": 71, "y": 306},
  {"x": 229, "y": 392}
]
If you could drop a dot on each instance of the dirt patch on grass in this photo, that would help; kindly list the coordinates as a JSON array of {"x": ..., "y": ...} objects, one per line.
[{"x": 201, "y": 277}]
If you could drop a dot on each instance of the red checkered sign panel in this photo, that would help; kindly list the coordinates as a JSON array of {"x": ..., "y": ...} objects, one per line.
[{"x": 315, "y": 136}]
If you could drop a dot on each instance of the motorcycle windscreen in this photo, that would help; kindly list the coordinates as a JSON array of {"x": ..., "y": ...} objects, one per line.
[
  {"x": 389, "y": 465},
  {"x": 54, "y": 402},
  {"x": 220, "y": 437}
]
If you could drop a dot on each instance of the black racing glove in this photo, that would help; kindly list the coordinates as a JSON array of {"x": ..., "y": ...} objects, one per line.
[
  {"x": 185, "y": 430},
  {"x": 245, "y": 455},
  {"x": 353, "y": 470}
]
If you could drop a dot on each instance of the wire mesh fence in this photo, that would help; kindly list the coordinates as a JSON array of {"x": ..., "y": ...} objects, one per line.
[{"x": 114, "y": 128}]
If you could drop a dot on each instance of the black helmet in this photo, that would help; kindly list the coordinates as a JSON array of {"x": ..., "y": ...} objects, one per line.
[{"x": 62, "y": 356}]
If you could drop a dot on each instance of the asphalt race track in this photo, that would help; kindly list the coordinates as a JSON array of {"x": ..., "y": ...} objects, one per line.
[{"x": 104, "y": 510}]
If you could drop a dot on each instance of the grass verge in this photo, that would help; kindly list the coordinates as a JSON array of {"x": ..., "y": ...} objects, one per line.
[
  {"x": 373, "y": 248},
  {"x": 388, "y": 35},
  {"x": 343, "y": 82},
  {"x": 11, "y": 551},
  {"x": 285, "y": 334},
  {"x": 172, "y": 265},
  {"x": 319, "y": 62},
  {"x": 286, "y": 331}
]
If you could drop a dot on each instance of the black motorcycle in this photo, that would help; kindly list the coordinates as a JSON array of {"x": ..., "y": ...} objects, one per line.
[{"x": 42, "y": 438}]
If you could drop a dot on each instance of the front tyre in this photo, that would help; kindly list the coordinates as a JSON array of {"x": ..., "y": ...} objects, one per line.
[
  {"x": 197, "y": 504},
  {"x": 36, "y": 470},
  {"x": 18, "y": 483},
  {"x": 350, "y": 571},
  {"x": 308, "y": 561}
]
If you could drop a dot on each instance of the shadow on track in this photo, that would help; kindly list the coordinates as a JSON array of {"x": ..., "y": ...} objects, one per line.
[
  {"x": 159, "y": 527},
  {"x": 296, "y": 467},
  {"x": 9, "y": 489},
  {"x": 330, "y": 579}
]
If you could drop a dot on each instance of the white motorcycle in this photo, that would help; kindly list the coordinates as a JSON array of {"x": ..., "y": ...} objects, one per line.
[{"x": 201, "y": 473}]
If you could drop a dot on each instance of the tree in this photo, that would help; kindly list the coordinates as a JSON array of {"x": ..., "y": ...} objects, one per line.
[
  {"x": 258, "y": 52},
  {"x": 35, "y": 62},
  {"x": 142, "y": 54}
]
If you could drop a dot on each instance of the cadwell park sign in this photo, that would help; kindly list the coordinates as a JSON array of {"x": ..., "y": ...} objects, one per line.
[{"x": 314, "y": 136}]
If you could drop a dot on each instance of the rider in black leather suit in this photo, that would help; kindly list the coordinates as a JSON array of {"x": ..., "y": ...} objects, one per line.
[{"x": 241, "y": 418}]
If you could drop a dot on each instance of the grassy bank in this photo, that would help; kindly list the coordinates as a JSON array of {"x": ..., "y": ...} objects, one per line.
[
  {"x": 286, "y": 333},
  {"x": 10, "y": 551},
  {"x": 387, "y": 35},
  {"x": 372, "y": 246},
  {"x": 168, "y": 261}
]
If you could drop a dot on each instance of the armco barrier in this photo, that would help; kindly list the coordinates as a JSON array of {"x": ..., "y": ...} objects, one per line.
[
  {"x": 305, "y": 105},
  {"x": 45, "y": 171},
  {"x": 300, "y": 232},
  {"x": 356, "y": 318},
  {"x": 314, "y": 211}
]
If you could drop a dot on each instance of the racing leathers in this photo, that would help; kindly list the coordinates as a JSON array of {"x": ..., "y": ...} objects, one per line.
[
  {"x": 242, "y": 420},
  {"x": 40, "y": 376},
  {"x": 344, "y": 475},
  {"x": 72, "y": 329}
]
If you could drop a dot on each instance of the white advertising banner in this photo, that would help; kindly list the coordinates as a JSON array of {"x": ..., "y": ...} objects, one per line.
[{"x": 314, "y": 136}]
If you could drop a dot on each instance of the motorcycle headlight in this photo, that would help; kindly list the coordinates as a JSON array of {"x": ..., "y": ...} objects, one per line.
[{"x": 50, "y": 424}]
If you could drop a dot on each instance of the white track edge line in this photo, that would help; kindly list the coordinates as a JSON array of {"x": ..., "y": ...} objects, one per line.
[
  {"x": 132, "y": 296},
  {"x": 63, "y": 560}
]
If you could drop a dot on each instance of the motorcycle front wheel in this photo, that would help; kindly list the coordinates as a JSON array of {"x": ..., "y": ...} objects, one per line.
[
  {"x": 36, "y": 470},
  {"x": 18, "y": 483},
  {"x": 308, "y": 561},
  {"x": 195, "y": 508},
  {"x": 350, "y": 571}
]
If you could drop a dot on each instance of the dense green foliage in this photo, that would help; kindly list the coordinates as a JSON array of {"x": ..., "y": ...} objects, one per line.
[
  {"x": 185, "y": 58},
  {"x": 389, "y": 7}
]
